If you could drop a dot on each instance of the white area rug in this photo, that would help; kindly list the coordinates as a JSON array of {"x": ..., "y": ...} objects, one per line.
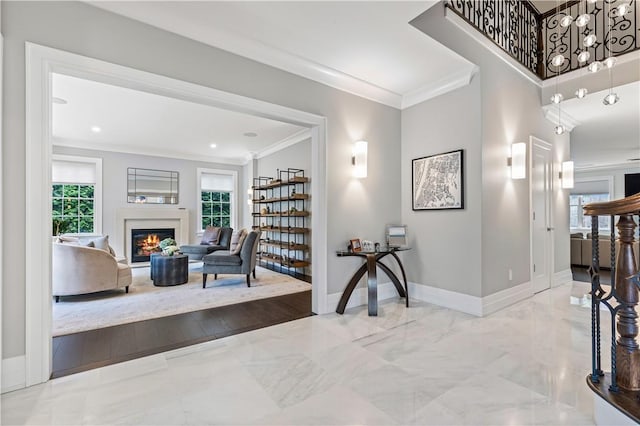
[{"x": 145, "y": 301}]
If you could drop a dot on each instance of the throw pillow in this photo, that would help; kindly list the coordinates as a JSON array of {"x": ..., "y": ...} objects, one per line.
[
  {"x": 237, "y": 238},
  {"x": 67, "y": 240},
  {"x": 211, "y": 236},
  {"x": 101, "y": 243}
]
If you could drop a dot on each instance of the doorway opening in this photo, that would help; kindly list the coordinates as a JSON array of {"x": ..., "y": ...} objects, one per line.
[{"x": 42, "y": 63}]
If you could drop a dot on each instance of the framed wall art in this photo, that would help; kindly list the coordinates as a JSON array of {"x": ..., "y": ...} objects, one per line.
[{"x": 438, "y": 181}]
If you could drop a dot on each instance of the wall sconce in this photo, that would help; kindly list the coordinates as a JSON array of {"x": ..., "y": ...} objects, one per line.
[
  {"x": 359, "y": 159},
  {"x": 518, "y": 160},
  {"x": 566, "y": 175}
]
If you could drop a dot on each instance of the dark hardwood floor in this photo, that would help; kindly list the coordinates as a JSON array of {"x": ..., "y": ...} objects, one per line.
[
  {"x": 83, "y": 351},
  {"x": 580, "y": 273}
]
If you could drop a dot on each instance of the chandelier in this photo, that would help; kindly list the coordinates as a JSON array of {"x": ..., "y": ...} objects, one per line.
[{"x": 588, "y": 40}]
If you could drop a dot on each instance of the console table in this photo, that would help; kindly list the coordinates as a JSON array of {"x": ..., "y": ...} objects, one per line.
[
  {"x": 169, "y": 270},
  {"x": 373, "y": 260}
]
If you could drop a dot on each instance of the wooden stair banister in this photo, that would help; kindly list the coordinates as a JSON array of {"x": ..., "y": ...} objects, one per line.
[{"x": 625, "y": 362}]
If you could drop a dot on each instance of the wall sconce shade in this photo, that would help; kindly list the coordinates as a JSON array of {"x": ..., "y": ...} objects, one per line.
[
  {"x": 518, "y": 160},
  {"x": 566, "y": 175},
  {"x": 359, "y": 159}
]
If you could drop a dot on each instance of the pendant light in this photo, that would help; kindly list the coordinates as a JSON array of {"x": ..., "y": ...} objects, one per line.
[
  {"x": 557, "y": 97},
  {"x": 611, "y": 98}
]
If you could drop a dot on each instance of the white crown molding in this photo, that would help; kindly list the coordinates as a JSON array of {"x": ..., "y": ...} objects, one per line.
[
  {"x": 551, "y": 114},
  {"x": 439, "y": 87},
  {"x": 269, "y": 55},
  {"x": 610, "y": 166},
  {"x": 302, "y": 135},
  {"x": 96, "y": 146}
]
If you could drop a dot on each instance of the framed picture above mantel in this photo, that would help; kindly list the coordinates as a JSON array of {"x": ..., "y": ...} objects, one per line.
[{"x": 438, "y": 181}]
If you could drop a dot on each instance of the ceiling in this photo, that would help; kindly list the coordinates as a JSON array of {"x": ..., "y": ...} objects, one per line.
[
  {"x": 607, "y": 135},
  {"x": 140, "y": 122},
  {"x": 363, "y": 47}
]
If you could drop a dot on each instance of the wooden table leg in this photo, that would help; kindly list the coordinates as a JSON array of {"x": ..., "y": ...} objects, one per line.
[
  {"x": 349, "y": 288},
  {"x": 404, "y": 277},
  {"x": 393, "y": 277},
  {"x": 372, "y": 285}
]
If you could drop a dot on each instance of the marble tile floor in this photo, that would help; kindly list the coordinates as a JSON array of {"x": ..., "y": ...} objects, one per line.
[{"x": 424, "y": 365}]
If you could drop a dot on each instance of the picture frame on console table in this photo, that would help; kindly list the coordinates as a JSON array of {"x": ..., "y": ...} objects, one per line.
[{"x": 438, "y": 181}]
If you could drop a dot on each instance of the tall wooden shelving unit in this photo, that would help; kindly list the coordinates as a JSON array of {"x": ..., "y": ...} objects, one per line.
[{"x": 280, "y": 211}]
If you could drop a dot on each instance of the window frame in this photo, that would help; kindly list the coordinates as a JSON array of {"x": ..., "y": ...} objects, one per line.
[
  {"x": 97, "y": 191},
  {"x": 233, "y": 195},
  {"x": 606, "y": 178}
]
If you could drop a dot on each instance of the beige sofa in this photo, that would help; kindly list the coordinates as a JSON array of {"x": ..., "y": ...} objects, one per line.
[
  {"x": 78, "y": 269},
  {"x": 581, "y": 250}
]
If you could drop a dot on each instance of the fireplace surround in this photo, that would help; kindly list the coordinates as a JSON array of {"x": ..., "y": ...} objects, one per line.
[{"x": 128, "y": 219}]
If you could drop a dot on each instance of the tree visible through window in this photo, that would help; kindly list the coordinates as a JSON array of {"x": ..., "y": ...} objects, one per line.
[
  {"x": 216, "y": 209},
  {"x": 73, "y": 207}
]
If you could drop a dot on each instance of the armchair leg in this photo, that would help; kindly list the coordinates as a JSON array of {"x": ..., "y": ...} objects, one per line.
[
  {"x": 215, "y": 276},
  {"x": 204, "y": 280},
  {"x": 57, "y": 299},
  {"x": 254, "y": 273},
  {"x": 248, "y": 280},
  {"x": 126, "y": 290}
]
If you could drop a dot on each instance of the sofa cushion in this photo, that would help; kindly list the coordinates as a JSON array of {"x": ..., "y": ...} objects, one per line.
[
  {"x": 210, "y": 236},
  {"x": 222, "y": 258}
]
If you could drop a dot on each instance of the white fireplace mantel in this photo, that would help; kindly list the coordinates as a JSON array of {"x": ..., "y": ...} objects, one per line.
[{"x": 135, "y": 217}]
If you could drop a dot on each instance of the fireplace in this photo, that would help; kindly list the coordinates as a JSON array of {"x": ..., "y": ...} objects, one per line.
[{"x": 145, "y": 241}]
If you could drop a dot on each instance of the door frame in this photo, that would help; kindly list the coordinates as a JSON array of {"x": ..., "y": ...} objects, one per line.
[
  {"x": 550, "y": 234},
  {"x": 41, "y": 61}
]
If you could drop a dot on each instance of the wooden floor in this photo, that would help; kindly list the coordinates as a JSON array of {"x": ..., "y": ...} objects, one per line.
[{"x": 83, "y": 351}]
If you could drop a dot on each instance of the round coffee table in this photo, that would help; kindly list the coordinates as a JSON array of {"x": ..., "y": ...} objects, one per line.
[{"x": 169, "y": 270}]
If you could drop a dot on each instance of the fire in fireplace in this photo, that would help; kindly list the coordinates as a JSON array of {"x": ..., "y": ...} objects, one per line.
[{"x": 146, "y": 241}]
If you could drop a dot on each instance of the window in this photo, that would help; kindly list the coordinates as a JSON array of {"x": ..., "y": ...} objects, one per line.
[
  {"x": 216, "y": 197},
  {"x": 76, "y": 195},
  {"x": 216, "y": 208},
  {"x": 577, "y": 220}
]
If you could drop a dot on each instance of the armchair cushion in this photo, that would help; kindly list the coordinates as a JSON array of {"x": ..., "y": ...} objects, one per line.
[
  {"x": 235, "y": 249},
  {"x": 222, "y": 257},
  {"x": 211, "y": 236}
]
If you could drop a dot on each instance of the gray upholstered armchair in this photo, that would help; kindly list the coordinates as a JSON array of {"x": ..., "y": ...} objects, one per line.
[
  {"x": 206, "y": 246},
  {"x": 223, "y": 262}
]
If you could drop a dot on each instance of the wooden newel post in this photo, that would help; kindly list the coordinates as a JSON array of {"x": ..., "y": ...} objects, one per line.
[{"x": 627, "y": 351}]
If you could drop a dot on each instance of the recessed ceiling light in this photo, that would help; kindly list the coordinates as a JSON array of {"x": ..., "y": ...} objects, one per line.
[
  {"x": 96, "y": 129},
  {"x": 58, "y": 101},
  {"x": 251, "y": 134},
  {"x": 213, "y": 145}
]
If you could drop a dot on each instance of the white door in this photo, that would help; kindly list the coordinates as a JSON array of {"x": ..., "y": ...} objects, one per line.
[{"x": 541, "y": 220}]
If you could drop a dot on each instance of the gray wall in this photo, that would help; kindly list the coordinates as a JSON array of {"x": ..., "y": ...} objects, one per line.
[
  {"x": 446, "y": 243},
  {"x": 114, "y": 182},
  {"x": 85, "y": 30},
  {"x": 506, "y": 118}
]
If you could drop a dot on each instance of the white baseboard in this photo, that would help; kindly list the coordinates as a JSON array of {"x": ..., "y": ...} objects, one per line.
[
  {"x": 561, "y": 277},
  {"x": 478, "y": 306},
  {"x": 446, "y": 298},
  {"x": 500, "y": 300},
  {"x": 13, "y": 373}
]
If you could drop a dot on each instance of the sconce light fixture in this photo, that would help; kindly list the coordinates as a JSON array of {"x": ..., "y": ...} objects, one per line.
[
  {"x": 518, "y": 160},
  {"x": 566, "y": 175},
  {"x": 359, "y": 159}
]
